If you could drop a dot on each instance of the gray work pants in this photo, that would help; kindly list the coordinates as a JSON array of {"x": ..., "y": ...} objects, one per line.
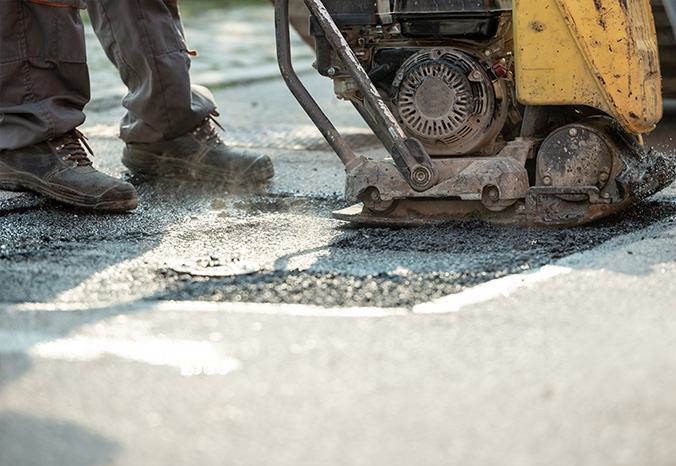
[{"x": 44, "y": 81}]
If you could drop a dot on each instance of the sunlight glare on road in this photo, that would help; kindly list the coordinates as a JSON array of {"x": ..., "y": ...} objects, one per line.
[{"x": 190, "y": 357}]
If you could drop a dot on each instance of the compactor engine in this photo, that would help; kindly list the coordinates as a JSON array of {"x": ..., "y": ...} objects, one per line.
[
  {"x": 438, "y": 67},
  {"x": 528, "y": 112}
]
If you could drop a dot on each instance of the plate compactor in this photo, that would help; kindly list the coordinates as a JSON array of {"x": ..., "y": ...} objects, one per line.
[{"x": 528, "y": 112}]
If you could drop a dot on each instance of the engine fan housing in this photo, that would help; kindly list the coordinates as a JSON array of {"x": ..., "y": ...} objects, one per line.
[{"x": 446, "y": 99}]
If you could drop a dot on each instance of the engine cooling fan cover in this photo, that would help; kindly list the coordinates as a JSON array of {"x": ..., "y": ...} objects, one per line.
[{"x": 446, "y": 100}]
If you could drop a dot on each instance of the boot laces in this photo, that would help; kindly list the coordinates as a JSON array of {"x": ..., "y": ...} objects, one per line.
[
  {"x": 206, "y": 131},
  {"x": 72, "y": 147}
]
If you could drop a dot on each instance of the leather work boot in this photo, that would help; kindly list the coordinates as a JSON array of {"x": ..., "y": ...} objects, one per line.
[
  {"x": 199, "y": 154},
  {"x": 60, "y": 169}
]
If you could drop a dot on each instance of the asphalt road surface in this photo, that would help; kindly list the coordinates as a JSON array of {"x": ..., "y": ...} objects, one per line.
[{"x": 221, "y": 326}]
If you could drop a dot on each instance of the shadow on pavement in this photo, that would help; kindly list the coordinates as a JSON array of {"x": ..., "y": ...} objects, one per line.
[{"x": 29, "y": 441}]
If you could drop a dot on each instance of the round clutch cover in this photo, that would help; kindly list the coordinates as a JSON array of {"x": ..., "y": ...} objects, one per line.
[{"x": 574, "y": 155}]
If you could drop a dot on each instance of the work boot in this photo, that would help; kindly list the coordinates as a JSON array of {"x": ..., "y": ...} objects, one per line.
[
  {"x": 199, "y": 154},
  {"x": 60, "y": 169}
]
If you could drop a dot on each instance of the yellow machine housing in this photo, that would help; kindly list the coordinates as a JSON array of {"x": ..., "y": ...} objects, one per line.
[{"x": 600, "y": 53}]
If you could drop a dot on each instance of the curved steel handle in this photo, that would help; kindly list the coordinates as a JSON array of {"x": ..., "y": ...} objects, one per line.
[{"x": 318, "y": 117}]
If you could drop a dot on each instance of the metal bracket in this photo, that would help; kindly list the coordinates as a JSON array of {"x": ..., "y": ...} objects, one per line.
[
  {"x": 591, "y": 192},
  {"x": 409, "y": 155}
]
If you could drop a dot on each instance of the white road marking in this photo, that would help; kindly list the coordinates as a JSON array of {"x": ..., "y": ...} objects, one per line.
[
  {"x": 501, "y": 287},
  {"x": 206, "y": 306},
  {"x": 298, "y": 310}
]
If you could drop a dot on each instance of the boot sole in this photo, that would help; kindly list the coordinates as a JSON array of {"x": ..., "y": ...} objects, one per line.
[
  {"x": 26, "y": 182},
  {"x": 148, "y": 163}
]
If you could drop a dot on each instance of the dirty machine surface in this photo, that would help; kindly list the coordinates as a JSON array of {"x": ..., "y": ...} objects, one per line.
[{"x": 528, "y": 112}]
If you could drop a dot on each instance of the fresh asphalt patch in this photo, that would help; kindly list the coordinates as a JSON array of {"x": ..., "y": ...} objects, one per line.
[
  {"x": 201, "y": 242},
  {"x": 487, "y": 252}
]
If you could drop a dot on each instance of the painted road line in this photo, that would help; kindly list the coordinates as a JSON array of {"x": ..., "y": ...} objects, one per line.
[
  {"x": 499, "y": 288},
  {"x": 299, "y": 310}
]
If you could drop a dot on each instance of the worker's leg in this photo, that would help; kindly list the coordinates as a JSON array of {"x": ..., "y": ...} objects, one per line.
[
  {"x": 144, "y": 39},
  {"x": 44, "y": 85},
  {"x": 44, "y": 82},
  {"x": 167, "y": 127}
]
